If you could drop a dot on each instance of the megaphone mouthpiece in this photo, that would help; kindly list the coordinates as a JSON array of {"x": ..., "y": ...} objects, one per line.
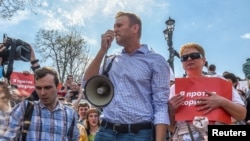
[{"x": 102, "y": 90}]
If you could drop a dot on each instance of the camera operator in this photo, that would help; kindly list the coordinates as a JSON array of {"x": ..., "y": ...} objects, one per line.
[{"x": 34, "y": 65}]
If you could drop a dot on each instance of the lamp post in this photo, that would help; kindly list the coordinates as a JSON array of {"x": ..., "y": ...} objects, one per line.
[
  {"x": 246, "y": 70},
  {"x": 168, "y": 32}
]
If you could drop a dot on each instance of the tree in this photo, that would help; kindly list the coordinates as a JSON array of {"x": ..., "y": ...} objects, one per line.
[
  {"x": 9, "y": 7},
  {"x": 66, "y": 50}
]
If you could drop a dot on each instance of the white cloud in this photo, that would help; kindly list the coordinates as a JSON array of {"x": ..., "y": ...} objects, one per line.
[
  {"x": 59, "y": 15},
  {"x": 44, "y": 4},
  {"x": 54, "y": 24},
  {"x": 77, "y": 13},
  {"x": 16, "y": 19},
  {"x": 88, "y": 14},
  {"x": 91, "y": 41},
  {"x": 246, "y": 36}
]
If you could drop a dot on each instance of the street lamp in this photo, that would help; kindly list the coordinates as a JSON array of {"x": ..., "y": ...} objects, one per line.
[{"x": 168, "y": 32}]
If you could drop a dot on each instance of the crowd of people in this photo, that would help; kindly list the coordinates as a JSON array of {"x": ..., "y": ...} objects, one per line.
[{"x": 144, "y": 106}]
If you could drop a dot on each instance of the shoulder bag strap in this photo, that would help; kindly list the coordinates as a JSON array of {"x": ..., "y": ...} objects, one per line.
[
  {"x": 27, "y": 119},
  {"x": 109, "y": 67}
]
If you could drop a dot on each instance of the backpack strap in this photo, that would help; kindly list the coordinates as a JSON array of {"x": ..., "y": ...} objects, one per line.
[{"x": 27, "y": 119}]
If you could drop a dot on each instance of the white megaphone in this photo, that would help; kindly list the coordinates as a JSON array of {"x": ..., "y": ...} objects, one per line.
[{"x": 99, "y": 90}]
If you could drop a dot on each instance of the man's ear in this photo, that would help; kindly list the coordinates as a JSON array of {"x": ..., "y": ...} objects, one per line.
[{"x": 135, "y": 28}]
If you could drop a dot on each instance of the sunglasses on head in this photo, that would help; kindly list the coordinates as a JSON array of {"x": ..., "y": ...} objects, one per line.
[{"x": 195, "y": 55}]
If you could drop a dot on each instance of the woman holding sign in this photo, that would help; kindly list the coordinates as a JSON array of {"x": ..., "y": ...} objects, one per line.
[{"x": 199, "y": 100}]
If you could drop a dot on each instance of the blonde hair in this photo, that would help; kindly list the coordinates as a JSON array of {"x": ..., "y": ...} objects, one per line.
[{"x": 192, "y": 45}]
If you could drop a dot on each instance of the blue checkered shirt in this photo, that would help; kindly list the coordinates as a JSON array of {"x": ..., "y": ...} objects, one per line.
[
  {"x": 141, "y": 88},
  {"x": 45, "y": 125}
]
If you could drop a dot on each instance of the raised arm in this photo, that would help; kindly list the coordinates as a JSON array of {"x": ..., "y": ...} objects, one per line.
[{"x": 94, "y": 67}]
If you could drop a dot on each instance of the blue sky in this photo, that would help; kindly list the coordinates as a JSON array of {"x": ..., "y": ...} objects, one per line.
[{"x": 222, "y": 27}]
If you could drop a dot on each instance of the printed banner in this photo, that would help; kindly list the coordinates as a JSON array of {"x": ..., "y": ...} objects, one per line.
[
  {"x": 24, "y": 82},
  {"x": 193, "y": 88}
]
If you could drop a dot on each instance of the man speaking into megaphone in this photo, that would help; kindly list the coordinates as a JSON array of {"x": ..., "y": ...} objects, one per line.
[{"x": 140, "y": 81}]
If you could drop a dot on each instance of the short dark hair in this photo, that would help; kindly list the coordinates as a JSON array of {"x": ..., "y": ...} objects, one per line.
[
  {"x": 133, "y": 19},
  {"x": 42, "y": 72},
  {"x": 85, "y": 104},
  {"x": 212, "y": 67},
  {"x": 232, "y": 77},
  {"x": 69, "y": 76}
]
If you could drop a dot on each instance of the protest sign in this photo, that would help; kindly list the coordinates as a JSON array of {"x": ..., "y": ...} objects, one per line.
[
  {"x": 24, "y": 82},
  {"x": 193, "y": 88}
]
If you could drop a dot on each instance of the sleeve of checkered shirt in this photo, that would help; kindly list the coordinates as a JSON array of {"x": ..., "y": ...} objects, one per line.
[
  {"x": 161, "y": 89},
  {"x": 12, "y": 123},
  {"x": 76, "y": 134}
]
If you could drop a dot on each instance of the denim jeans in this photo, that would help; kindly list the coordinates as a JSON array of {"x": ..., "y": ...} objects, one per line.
[{"x": 105, "y": 134}]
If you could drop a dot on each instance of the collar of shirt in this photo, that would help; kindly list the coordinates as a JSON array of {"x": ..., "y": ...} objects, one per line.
[
  {"x": 143, "y": 49},
  {"x": 58, "y": 106}
]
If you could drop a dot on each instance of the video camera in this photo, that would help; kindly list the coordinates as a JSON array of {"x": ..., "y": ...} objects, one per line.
[{"x": 16, "y": 49}]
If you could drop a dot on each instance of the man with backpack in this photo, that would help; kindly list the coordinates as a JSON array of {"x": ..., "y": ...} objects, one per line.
[{"x": 45, "y": 119}]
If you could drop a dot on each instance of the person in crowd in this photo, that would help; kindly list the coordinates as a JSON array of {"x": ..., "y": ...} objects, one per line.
[
  {"x": 242, "y": 95},
  {"x": 82, "y": 112},
  {"x": 74, "y": 92},
  {"x": 211, "y": 69},
  {"x": 193, "y": 60},
  {"x": 83, "y": 133},
  {"x": 5, "y": 97},
  {"x": 67, "y": 85},
  {"x": 50, "y": 119},
  {"x": 247, "y": 119},
  {"x": 62, "y": 100},
  {"x": 92, "y": 123},
  {"x": 141, "y": 81},
  {"x": 16, "y": 96},
  {"x": 5, "y": 101},
  {"x": 233, "y": 79},
  {"x": 80, "y": 97}
]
